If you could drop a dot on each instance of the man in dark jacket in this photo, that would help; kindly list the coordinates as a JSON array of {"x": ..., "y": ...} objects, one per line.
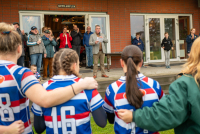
[
  {"x": 190, "y": 39},
  {"x": 88, "y": 48},
  {"x": 167, "y": 46},
  {"x": 76, "y": 39},
  {"x": 24, "y": 38},
  {"x": 138, "y": 42}
]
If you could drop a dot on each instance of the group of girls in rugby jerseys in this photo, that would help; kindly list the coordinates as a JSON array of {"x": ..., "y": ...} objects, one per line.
[{"x": 63, "y": 104}]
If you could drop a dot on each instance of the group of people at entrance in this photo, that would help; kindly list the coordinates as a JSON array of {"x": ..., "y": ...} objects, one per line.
[
  {"x": 167, "y": 44},
  {"x": 134, "y": 103},
  {"x": 43, "y": 47}
]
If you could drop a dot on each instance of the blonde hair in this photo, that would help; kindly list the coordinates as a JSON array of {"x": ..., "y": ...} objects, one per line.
[
  {"x": 192, "y": 66},
  {"x": 9, "y": 41}
]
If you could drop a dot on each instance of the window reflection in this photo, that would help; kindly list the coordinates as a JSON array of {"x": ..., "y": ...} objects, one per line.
[{"x": 137, "y": 26}]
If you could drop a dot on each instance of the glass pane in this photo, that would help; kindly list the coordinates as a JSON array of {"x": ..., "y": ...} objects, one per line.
[
  {"x": 184, "y": 30},
  {"x": 154, "y": 38},
  {"x": 137, "y": 26},
  {"x": 170, "y": 28},
  {"x": 29, "y": 21},
  {"x": 101, "y": 21}
]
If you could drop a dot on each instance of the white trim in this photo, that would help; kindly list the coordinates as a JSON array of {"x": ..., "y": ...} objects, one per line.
[
  {"x": 61, "y": 13},
  {"x": 162, "y": 16}
]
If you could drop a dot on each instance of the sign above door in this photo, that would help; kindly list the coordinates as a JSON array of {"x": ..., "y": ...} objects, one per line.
[{"x": 66, "y": 6}]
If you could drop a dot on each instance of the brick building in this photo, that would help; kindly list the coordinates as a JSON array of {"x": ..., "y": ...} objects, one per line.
[{"x": 120, "y": 21}]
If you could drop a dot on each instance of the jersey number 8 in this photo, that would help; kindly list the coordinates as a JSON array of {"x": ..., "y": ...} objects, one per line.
[
  {"x": 5, "y": 108},
  {"x": 64, "y": 122}
]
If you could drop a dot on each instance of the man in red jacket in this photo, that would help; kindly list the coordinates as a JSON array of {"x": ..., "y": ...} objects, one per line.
[{"x": 65, "y": 39}]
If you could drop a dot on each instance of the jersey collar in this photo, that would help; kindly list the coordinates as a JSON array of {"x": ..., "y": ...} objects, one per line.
[
  {"x": 140, "y": 76},
  {"x": 63, "y": 77},
  {"x": 6, "y": 62}
]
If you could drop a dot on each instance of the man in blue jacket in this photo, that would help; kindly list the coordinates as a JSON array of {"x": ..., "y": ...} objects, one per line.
[
  {"x": 190, "y": 39},
  {"x": 138, "y": 42},
  {"x": 88, "y": 48}
]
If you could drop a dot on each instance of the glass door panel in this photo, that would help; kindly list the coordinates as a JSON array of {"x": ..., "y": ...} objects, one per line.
[
  {"x": 169, "y": 26},
  {"x": 154, "y": 39}
]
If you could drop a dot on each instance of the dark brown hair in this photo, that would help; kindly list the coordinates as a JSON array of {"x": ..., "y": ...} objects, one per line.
[
  {"x": 137, "y": 34},
  {"x": 63, "y": 59},
  {"x": 43, "y": 29},
  {"x": 132, "y": 56},
  {"x": 8, "y": 41},
  {"x": 166, "y": 32},
  {"x": 64, "y": 27}
]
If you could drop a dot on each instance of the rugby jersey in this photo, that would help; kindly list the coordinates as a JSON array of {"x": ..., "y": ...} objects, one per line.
[
  {"x": 73, "y": 116},
  {"x": 115, "y": 99},
  {"x": 14, "y": 105}
]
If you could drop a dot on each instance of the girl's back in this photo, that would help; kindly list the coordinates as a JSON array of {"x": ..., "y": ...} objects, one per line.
[
  {"x": 72, "y": 116},
  {"x": 116, "y": 99}
]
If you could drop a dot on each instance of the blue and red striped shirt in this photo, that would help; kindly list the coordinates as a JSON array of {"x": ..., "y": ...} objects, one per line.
[
  {"x": 72, "y": 116},
  {"x": 115, "y": 99},
  {"x": 14, "y": 105}
]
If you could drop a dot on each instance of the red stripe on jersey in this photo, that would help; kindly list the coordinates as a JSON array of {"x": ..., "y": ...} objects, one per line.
[
  {"x": 119, "y": 96},
  {"x": 107, "y": 101},
  {"x": 49, "y": 82},
  {"x": 10, "y": 66},
  {"x": 26, "y": 124},
  {"x": 77, "y": 79},
  {"x": 149, "y": 91},
  {"x": 118, "y": 83},
  {"x": 17, "y": 102},
  {"x": 76, "y": 116},
  {"x": 162, "y": 93},
  {"x": 116, "y": 114},
  {"x": 26, "y": 75},
  {"x": 94, "y": 93},
  {"x": 8, "y": 77},
  {"x": 145, "y": 79}
]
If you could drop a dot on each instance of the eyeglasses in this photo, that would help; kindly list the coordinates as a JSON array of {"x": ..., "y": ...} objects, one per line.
[{"x": 5, "y": 32}]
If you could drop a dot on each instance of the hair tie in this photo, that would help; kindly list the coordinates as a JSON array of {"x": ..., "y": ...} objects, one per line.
[
  {"x": 130, "y": 57},
  {"x": 5, "y": 32}
]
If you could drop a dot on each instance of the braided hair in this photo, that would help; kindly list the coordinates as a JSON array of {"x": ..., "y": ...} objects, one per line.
[{"x": 64, "y": 59}]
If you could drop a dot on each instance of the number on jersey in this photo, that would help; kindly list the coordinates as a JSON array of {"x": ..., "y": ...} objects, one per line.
[
  {"x": 5, "y": 108},
  {"x": 65, "y": 123}
]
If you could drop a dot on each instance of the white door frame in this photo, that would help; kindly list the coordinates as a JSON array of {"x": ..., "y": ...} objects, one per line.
[{"x": 147, "y": 47}]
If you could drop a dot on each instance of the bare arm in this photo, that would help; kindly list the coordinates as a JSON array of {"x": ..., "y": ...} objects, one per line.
[{"x": 41, "y": 97}]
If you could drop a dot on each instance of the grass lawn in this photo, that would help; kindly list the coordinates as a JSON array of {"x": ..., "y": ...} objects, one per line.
[{"x": 109, "y": 129}]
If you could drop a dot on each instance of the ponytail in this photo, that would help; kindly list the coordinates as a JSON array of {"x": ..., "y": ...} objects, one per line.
[
  {"x": 132, "y": 56},
  {"x": 133, "y": 94}
]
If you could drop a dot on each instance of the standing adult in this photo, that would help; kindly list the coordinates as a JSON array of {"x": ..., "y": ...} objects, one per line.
[
  {"x": 49, "y": 43},
  {"x": 190, "y": 39},
  {"x": 43, "y": 29},
  {"x": 98, "y": 40},
  {"x": 167, "y": 46},
  {"x": 138, "y": 42},
  {"x": 36, "y": 48},
  {"x": 76, "y": 39},
  {"x": 24, "y": 38},
  {"x": 88, "y": 48},
  {"x": 65, "y": 39}
]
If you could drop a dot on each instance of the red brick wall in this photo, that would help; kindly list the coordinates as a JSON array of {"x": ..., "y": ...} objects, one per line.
[{"x": 119, "y": 11}]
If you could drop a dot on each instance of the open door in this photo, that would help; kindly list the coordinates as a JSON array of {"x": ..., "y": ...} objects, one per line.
[{"x": 27, "y": 20}]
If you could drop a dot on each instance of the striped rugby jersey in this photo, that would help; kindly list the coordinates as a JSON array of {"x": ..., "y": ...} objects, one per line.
[
  {"x": 14, "y": 105},
  {"x": 115, "y": 99},
  {"x": 73, "y": 116}
]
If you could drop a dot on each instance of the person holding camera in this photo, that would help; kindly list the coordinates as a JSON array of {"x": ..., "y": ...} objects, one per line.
[{"x": 76, "y": 39}]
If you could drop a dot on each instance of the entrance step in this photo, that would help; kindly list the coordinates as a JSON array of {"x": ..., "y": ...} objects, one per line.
[{"x": 162, "y": 64}]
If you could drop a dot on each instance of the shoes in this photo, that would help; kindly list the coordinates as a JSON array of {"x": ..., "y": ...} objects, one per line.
[
  {"x": 88, "y": 67},
  {"x": 104, "y": 76},
  {"x": 91, "y": 67},
  {"x": 144, "y": 67},
  {"x": 94, "y": 76},
  {"x": 44, "y": 78},
  {"x": 169, "y": 67}
]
